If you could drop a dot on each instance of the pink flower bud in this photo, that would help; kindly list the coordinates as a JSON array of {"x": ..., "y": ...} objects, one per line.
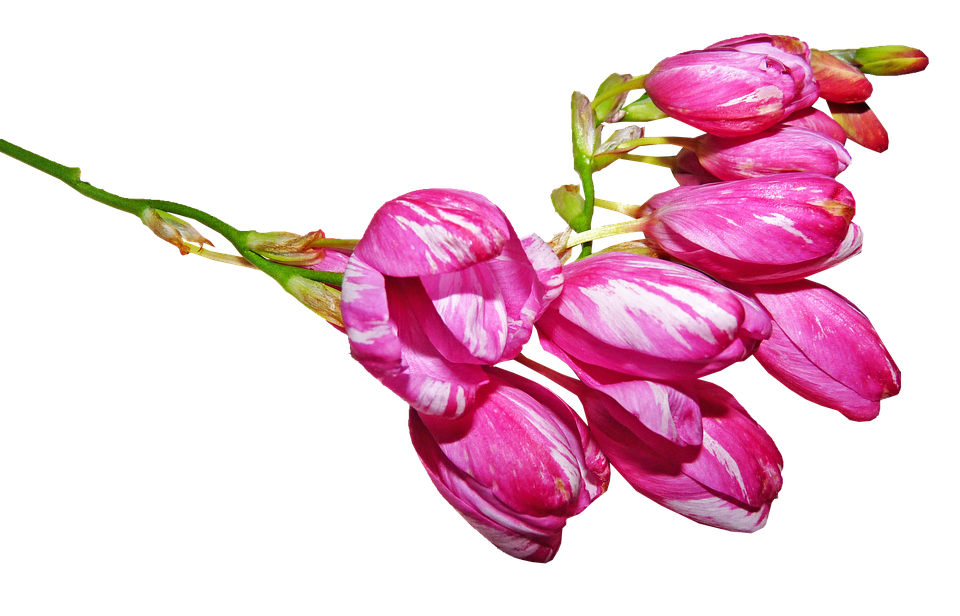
[
  {"x": 439, "y": 285},
  {"x": 723, "y": 92},
  {"x": 728, "y": 482},
  {"x": 780, "y": 149},
  {"x": 840, "y": 82},
  {"x": 516, "y": 467},
  {"x": 736, "y": 86},
  {"x": 814, "y": 119},
  {"x": 761, "y": 228},
  {"x": 825, "y": 349},
  {"x": 793, "y": 53},
  {"x": 622, "y": 315}
]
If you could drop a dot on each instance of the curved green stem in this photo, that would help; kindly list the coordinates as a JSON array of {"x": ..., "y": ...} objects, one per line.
[
  {"x": 659, "y": 161},
  {"x": 684, "y": 142},
  {"x": 71, "y": 177}
]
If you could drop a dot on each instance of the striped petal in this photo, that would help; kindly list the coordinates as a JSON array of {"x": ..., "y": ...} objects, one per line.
[
  {"x": 643, "y": 317},
  {"x": 517, "y": 467},
  {"x": 825, "y": 349},
  {"x": 663, "y": 409},
  {"x": 686, "y": 479},
  {"x": 433, "y": 232}
]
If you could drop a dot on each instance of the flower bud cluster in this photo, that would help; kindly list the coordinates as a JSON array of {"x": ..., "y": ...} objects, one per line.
[{"x": 440, "y": 289}]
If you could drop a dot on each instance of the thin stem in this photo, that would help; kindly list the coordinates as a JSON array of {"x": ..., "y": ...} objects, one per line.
[
  {"x": 662, "y": 162},
  {"x": 634, "y": 84},
  {"x": 334, "y": 243},
  {"x": 684, "y": 142},
  {"x": 218, "y": 256},
  {"x": 631, "y": 226},
  {"x": 589, "y": 199},
  {"x": 569, "y": 383},
  {"x": 71, "y": 177},
  {"x": 633, "y": 211}
]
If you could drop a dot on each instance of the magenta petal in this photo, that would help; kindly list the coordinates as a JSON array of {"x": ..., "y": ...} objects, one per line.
[
  {"x": 516, "y": 467},
  {"x": 738, "y": 459},
  {"x": 373, "y": 335},
  {"x": 657, "y": 308},
  {"x": 658, "y": 469},
  {"x": 432, "y": 232},
  {"x": 826, "y": 350},
  {"x": 661, "y": 408},
  {"x": 509, "y": 533},
  {"x": 471, "y": 306},
  {"x": 785, "y": 362},
  {"x": 834, "y": 334},
  {"x": 531, "y": 276},
  {"x": 781, "y": 219},
  {"x": 429, "y": 382}
]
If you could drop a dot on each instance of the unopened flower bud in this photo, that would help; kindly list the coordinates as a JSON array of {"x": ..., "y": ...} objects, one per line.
[
  {"x": 322, "y": 299},
  {"x": 840, "y": 82},
  {"x": 890, "y": 60},
  {"x": 610, "y": 110},
  {"x": 642, "y": 110},
  {"x": 288, "y": 248},
  {"x": 814, "y": 119},
  {"x": 861, "y": 125},
  {"x": 172, "y": 229},
  {"x": 567, "y": 201}
]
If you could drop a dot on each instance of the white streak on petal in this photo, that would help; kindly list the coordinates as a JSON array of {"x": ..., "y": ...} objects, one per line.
[
  {"x": 781, "y": 221},
  {"x": 725, "y": 460}
]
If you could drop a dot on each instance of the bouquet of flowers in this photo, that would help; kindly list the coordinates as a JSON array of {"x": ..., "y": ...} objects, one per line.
[{"x": 441, "y": 289}]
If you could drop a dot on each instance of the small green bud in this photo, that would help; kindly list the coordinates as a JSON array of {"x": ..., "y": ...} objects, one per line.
[
  {"x": 609, "y": 109},
  {"x": 171, "y": 229},
  {"x": 890, "y": 60},
  {"x": 322, "y": 299},
  {"x": 642, "y": 110},
  {"x": 567, "y": 202},
  {"x": 288, "y": 248}
]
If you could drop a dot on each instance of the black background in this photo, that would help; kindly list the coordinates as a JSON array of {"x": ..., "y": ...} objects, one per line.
[{"x": 193, "y": 408}]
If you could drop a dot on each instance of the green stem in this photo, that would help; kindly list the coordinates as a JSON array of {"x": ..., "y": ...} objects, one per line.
[
  {"x": 586, "y": 177},
  {"x": 71, "y": 177}
]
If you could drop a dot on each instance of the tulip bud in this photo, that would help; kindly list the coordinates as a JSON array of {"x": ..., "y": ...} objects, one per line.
[
  {"x": 516, "y": 467},
  {"x": 839, "y": 81},
  {"x": 747, "y": 92},
  {"x": 861, "y": 125},
  {"x": 789, "y": 50},
  {"x": 768, "y": 226},
  {"x": 824, "y": 349},
  {"x": 625, "y": 316},
  {"x": 890, "y": 60},
  {"x": 780, "y": 149},
  {"x": 728, "y": 482}
]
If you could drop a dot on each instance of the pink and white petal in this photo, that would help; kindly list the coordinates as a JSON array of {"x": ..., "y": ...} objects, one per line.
[
  {"x": 511, "y": 534},
  {"x": 532, "y": 277},
  {"x": 736, "y": 270},
  {"x": 659, "y": 476},
  {"x": 428, "y": 382},
  {"x": 569, "y": 433},
  {"x": 738, "y": 459},
  {"x": 548, "y": 269},
  {"x": 374, "y": 341},
  {"x": 432, "y": 232},
  {"x": 781, "y": 358},
  {"x": 659, "y": 309},
  {"x": 835, "y": 335},
  {"x": 662, "y": 408},
  {"x": 472, "y": 308}
]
